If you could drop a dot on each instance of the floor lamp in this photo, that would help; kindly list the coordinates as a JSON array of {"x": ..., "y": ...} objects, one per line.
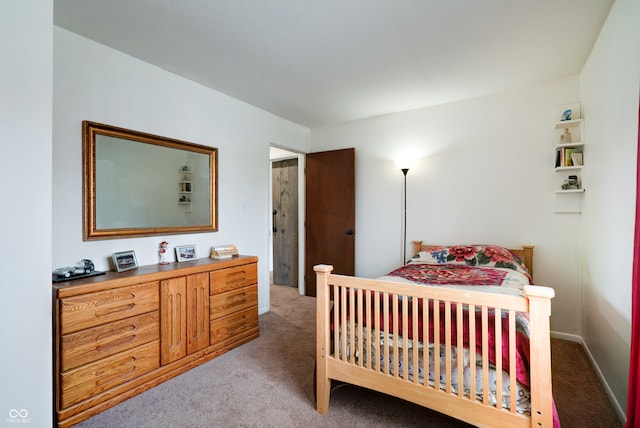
[{"x": 404, "y": 223}]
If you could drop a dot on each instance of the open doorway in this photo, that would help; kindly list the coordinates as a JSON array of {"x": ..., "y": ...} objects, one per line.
[{"x": 286, "y": 208}]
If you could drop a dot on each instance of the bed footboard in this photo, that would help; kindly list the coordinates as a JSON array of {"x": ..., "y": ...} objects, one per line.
[{"x": 437, "y": 347}]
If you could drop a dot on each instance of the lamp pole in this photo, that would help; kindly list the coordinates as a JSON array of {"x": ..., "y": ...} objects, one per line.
[{"x": 404, "y": 239}]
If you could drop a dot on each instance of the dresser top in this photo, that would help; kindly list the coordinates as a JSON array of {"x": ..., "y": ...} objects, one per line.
[{"x": 146, "y": 273}]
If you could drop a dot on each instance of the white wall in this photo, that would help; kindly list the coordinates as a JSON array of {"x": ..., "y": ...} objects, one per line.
[
  {"x": 94, "y": 82},
  {"x": 610, "y": 83},
  {"x": 25, "y": 171},
  {"x": 485, "y": 176}
]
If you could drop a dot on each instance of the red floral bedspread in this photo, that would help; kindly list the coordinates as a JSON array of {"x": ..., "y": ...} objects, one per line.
[{"x": 447, "y": 274}]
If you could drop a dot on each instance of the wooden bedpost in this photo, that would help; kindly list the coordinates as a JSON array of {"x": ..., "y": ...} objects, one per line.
[
  {"x": 417, "y": 246},
  {"x": 323, "y": 383},
  {"x": 540, "y": 355},
  {"x": 527, "y": 251}
]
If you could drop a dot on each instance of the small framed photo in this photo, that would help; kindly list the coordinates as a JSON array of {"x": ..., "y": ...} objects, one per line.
[
  {"x": 125, "y": 260},
  {"x": 186, "y": 253}
]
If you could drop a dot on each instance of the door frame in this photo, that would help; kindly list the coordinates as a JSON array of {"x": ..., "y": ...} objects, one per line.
[{"x": 301, "y": 209}]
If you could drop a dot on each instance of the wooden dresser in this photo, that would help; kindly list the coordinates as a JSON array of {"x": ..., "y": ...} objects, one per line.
[{"x": 119, "y": 334}]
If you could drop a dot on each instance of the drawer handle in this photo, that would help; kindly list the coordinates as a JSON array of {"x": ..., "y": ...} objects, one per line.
[
  {"x": 110, "y": 334},
  {"x": 116, "y": 310},
  {"x": 232, "y": 278},
  {"x": 109, "y": 300},
  {"x": 116, "y": 343},
  {"x": 236, "y": 273},
  {"x": 115, "y": 375},
  {"x": 240, "y": 323},
  {"x": 235, "y": 303}
]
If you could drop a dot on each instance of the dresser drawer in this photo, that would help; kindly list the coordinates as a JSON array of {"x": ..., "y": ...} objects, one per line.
[
  {"x": 92, "y": 309},
  {"x": 234, "y": 324},
  {"x": 85, "y": 382},
  {"x": 92, "y": 344},
  {"x": 232, "y": 278},
  {"x": 233, "y": 301}
]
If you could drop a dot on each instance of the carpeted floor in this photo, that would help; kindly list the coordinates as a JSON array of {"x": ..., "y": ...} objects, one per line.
[{"x": 268, "y": 383}]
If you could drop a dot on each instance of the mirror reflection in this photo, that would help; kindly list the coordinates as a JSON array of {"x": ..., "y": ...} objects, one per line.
[{"x": 140, "y": 184}]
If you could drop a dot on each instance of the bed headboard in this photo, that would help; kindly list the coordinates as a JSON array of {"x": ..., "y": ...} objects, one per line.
[{"x": 525, "y": 253}]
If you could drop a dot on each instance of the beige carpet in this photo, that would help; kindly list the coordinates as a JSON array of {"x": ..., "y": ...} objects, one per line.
[{"x": 267, "y": 383}]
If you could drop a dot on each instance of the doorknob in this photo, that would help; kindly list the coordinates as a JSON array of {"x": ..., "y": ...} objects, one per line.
[
  {"x": 275, "y": 229},
  {"x": 350, "y": 232}
]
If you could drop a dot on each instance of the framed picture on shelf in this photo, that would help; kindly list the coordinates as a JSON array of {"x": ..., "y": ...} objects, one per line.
[
  {"x": 125, "y": 260},
  {"x": 185, "y": 253}
]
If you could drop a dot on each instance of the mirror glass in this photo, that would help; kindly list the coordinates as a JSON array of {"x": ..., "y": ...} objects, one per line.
[{"x": 138, "y": 184}]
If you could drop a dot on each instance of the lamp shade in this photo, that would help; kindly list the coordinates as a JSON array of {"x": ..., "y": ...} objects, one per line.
[{"x": 404, "y": 162}]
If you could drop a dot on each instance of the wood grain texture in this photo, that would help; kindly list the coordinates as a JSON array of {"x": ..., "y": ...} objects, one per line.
[{"x": 120, "y": 334}]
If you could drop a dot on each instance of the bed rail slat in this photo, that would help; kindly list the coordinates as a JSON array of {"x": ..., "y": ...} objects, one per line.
[
  {"x": 396, "y": 362},
  {"x": 436, "y": 344},
  {"x": 485, "y": 356},
  {"x": 368, "y": 361},
  {"x": 376, "y": 332},
  {"x": 498, "y": 335},
  {"x": 415, "y": 349},
  {"x": 472, "y": 356},
  {"x": 512, "y": 361},
  {"x": 360, "y": 323},
  {"x": 460, "y": 349},
  {"x": 426, "y": 341},
  {"x": 447, "y": 346},
  {"x": 405, "y": 336},
  {"x": 385, "y": 312},
  {"x": 352, "y": 325}
]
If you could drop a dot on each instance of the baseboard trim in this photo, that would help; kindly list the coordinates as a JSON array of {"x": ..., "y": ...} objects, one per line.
[{"x": 578, "y": 339}]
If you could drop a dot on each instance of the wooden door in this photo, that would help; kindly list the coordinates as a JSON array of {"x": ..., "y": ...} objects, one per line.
[
  {"x": 330, "y": 211},
  {"x": 173, "y": 319},
  {"x": 285, "y": 222},
  {"x": 197, "y": 312}
]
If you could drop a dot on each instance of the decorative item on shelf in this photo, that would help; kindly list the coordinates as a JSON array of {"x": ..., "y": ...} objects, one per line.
[
  {"x": 84, "y": 268},
  {"x": 565, "y": 137},
  {"x": 566, "y": 115},
  {"x": 186, "y": 253},
  {"x": 184, "y": 199},
  {"x": 224, "y": 251},
  {"x": 571, "y": 183},
  {"x": 125, "y": 260},
  {"x": 576, "y": 157},
  {"x": 162, "y": 253}
]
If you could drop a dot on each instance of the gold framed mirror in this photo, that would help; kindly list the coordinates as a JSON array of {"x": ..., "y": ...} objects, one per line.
[{"x": 139, "y": 184}]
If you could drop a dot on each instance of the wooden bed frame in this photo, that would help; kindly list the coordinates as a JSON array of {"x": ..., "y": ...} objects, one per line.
[{"x": 477, "y": 411}]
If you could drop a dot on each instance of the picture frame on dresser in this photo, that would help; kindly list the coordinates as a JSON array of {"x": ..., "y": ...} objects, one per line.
[
  {"x": 186, "y": 253},
  {"x": 125, "y": 260}
]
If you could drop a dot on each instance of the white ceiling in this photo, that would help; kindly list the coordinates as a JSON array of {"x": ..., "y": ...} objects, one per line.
[{"x": 321, "y": 62}]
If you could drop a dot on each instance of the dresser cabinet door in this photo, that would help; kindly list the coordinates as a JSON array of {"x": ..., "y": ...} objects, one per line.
[
  {"x": 173, "y": 319},
  {"x": 197, "y": 312}
]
